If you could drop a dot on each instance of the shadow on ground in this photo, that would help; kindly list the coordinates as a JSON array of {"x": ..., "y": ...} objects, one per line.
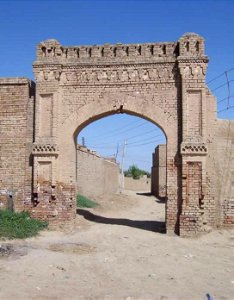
[
  {"x": 148, "y": 194},
  {"x": 155, "y": 226},
  {"x": 161, "y": 199},
  {"x": 158, "y": 199}
]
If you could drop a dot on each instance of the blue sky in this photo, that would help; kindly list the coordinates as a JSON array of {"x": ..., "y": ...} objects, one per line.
[{"x": 23, "y": 24}]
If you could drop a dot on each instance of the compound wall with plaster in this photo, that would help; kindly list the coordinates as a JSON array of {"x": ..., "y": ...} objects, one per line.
[
  {"x": 158, "y": 171},
  {"x": 95, "y": 175},
  {"x": 224, "y": 171}
]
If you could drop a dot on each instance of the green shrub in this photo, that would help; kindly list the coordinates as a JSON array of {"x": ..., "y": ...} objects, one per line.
[
  {"x": 83, "y": 201},
  {"x": 136, "y": 173},
  {"x": 19, "y": 225}
]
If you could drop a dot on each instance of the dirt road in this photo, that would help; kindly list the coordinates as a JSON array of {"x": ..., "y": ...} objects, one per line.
[{"x": 120, "y": 251}]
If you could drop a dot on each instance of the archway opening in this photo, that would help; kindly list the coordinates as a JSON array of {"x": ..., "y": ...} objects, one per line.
[{"x": 124, "y": 155}]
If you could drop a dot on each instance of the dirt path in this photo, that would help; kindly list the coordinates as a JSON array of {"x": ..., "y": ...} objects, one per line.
[{"x": 120, "y": 252}]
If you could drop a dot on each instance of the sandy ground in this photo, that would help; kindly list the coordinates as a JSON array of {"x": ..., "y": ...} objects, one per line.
[{"x": 120, "y": 251}]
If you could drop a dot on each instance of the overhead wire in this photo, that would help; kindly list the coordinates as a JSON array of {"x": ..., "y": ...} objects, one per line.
[
  {"x": 228, "y": 84},
  {"x": 146, "y": 143},
  {"x": 145, "y": 140},
  {"x": 128, "y": 138},
  {"x": 219, "y": 76},
  {"x": 126, "y": 125},
  {"x": 229, "y": 96},
  {"x": 140, "y": 160},
  {"x": 107, "y": 135},
  {"x": 132, "y": 145},
  {"x": 137, "y": 135}
]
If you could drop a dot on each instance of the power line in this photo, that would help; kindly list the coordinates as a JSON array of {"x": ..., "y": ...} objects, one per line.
[
  {"x": 138, "y": 160},
  {"x": 127, "y": 125},
  {"x": 104, "y": 147},
  {"x": 110, "y": 133},
  {"x": 117, "y": 151},
  {"x": 128, "y": 138},
  {"x": 219, "y": 76},
  {"x": 227, "y": 108},
  {"x": 136, "y": 142},
  {"x": 132, "y": 137},
  {"x": 145, "y": 140},
  {"x": 122, "y": 166},
  {"x": 146, "y": 143},
  {"x": 229, "y": 92},
  {"x": 132, "y": 145},
  {"x": 225, "y": 101},
  {"x": 222, "y": 85},
  {"x": 231, "y": 96}
]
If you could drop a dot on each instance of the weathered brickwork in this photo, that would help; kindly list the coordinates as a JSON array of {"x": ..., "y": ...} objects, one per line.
[
  {"x": 16, "y": 136},
  {"x": 96, "y": 176},
  {"x": 158, "y": 172},
  {"x": 163, "y": 83}
]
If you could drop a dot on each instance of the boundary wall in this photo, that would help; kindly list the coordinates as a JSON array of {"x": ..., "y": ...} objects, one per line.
[
  {"x": 158, "y": 171},
  {"x": 224, "y": 171},
  {"x": 17, "y": 96},
  {"x": 96, "y": 175}
]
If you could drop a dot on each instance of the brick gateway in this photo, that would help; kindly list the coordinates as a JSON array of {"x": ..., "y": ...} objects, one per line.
[{"x": 163, "y": 83}]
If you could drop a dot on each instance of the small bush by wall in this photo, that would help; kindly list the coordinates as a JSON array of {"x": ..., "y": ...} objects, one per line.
[
  {"x": 82, "y": 201},
  {"x": 19, "y": 225}
]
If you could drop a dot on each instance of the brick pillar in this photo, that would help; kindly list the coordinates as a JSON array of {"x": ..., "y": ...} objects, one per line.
[
  {"x": 53, "y": 200},
  {"x": 197, "y": 203}
]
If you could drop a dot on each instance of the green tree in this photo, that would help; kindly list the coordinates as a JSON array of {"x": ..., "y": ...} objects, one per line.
[{"x": 134, "y": 172}]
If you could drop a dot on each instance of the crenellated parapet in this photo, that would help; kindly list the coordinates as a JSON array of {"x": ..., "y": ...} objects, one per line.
[
  {"x": 52, "y": 50},
  {"x": 115, "y": 64},
  {"x": 189, "y": 45},
  {"x": 192, "y": 60}
]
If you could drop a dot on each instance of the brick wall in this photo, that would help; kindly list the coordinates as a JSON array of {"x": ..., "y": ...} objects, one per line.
[
  {"x": 16, "y": 136},
  {"x": 95, "y": 175},
  {"x": 158, "y": 172}
]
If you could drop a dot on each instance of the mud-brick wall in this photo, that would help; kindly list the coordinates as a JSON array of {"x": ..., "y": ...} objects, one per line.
[
  {"x": 158, "y": 172},
  {"x": 224, "y": 169},
  {"x": 139, "y": 185},
  {"x": 16, "y": 137},
  {"x": 95, "y": 175}
]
